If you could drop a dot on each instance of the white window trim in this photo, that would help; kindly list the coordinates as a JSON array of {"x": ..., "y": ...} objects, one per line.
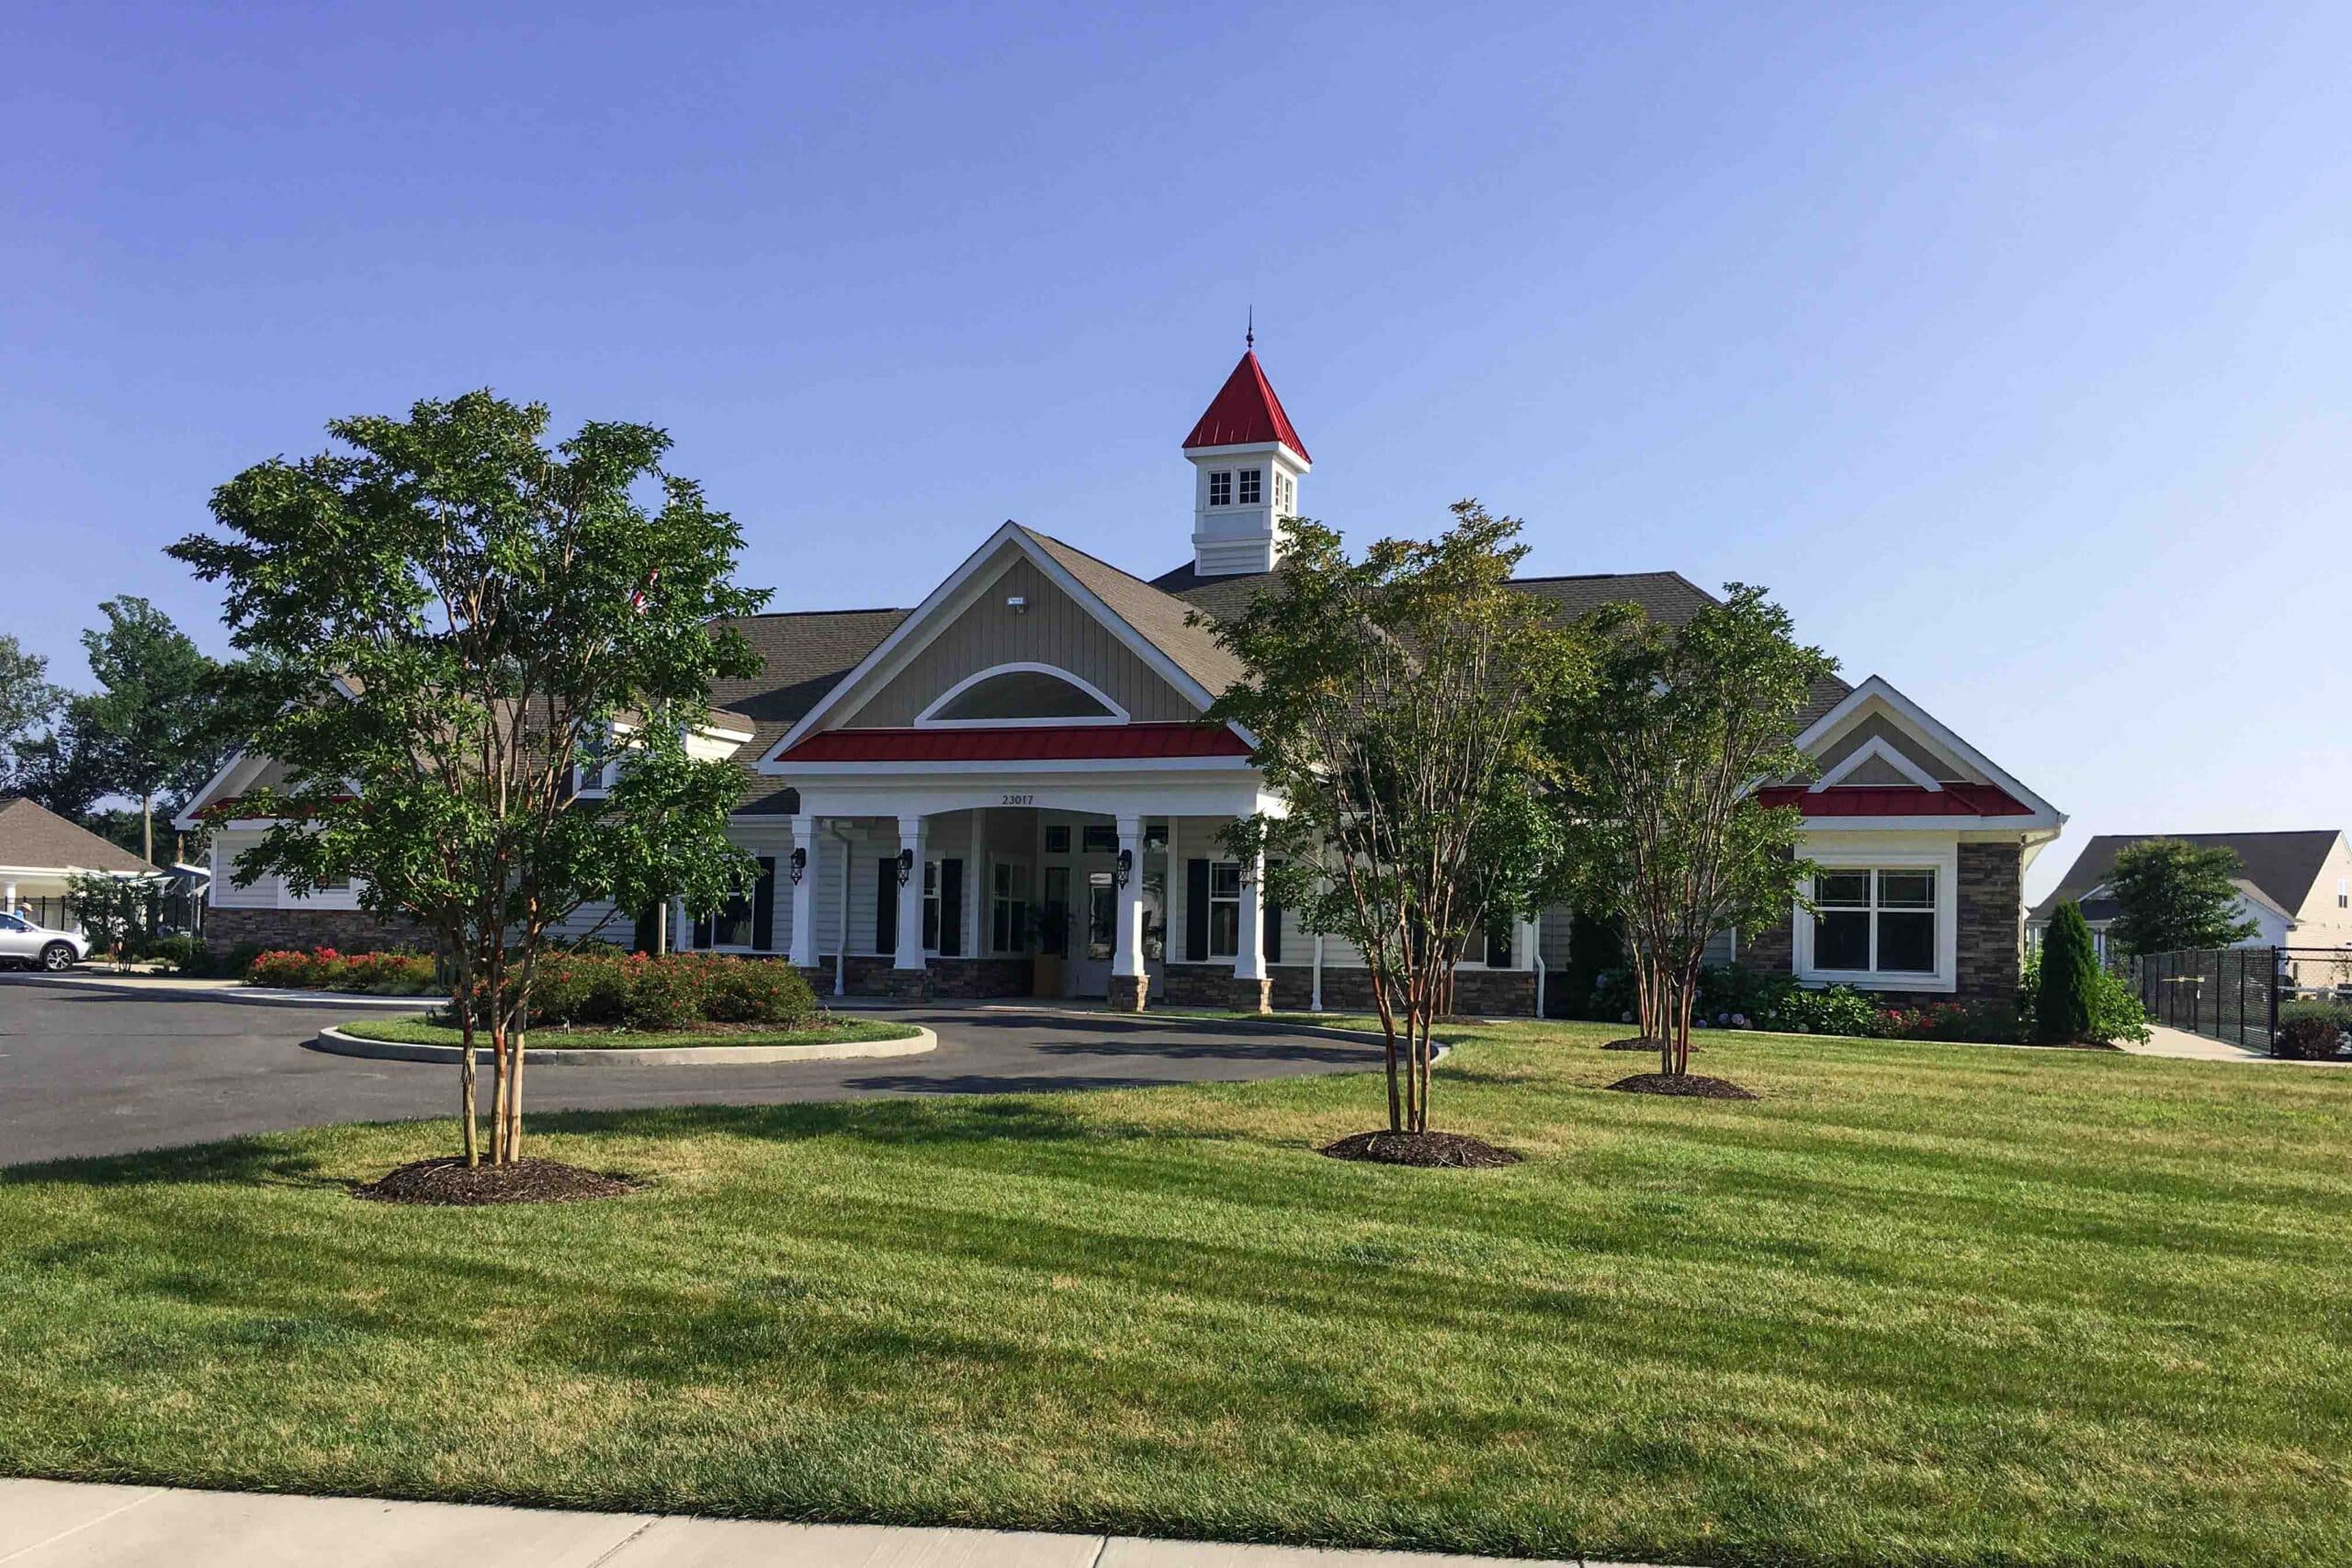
[
  {"x": 1239, "y": 883},
  {"x": 1877, "y": 747},
  {"x": 1945, "y": 863},
  {"x": 927, "y": 719}
]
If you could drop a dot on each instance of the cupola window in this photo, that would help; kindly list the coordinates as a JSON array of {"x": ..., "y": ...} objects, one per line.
[
  {"x": 1250, "y": 480},
  {"x": 1220, "y": 487}
]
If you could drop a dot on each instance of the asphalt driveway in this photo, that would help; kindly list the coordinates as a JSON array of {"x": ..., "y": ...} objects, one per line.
[{"x": 86, "y": 1071}]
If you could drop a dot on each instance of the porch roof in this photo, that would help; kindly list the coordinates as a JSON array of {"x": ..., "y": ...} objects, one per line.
[
  {"x": 1903, "y": 800},
  {"x": 1029, "y": 743}
]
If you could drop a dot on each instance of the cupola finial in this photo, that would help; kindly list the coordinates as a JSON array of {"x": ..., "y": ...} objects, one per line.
[{"x": 1249, "y": 338}]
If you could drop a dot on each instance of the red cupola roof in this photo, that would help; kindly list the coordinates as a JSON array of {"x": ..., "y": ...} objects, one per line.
[{"x": 1245, "y": 411}]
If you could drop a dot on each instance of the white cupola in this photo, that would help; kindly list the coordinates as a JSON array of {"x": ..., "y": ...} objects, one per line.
[{"x": 1247, "y": 462}]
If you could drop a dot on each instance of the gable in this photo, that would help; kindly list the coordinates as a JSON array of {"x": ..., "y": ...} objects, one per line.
[
  {"x": 1883, "y": 728},
  {"x": 1050, "y": 630}
]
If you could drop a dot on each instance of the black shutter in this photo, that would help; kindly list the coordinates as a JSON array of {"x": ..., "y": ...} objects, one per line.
[
  {"x": 706, "y": 930},
  {"x": 1196, "y": 910},
  {"x": 951, "y": 908},
  {"x": 885, "y": 906},
  {"x": 764, "y": 908},
  {"x": 642, "y": 939},
  {"x": 1274, "y": 924}
]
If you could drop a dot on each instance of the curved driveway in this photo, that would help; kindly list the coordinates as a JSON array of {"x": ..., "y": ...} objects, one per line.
[{"x": 87, "y": 1071}]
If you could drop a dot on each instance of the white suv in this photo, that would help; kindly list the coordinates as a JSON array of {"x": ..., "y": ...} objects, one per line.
[{"x": 21, "y": 942}]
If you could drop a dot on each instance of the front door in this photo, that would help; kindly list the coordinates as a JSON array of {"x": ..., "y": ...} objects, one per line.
[{"x": 1094, "y": 936}]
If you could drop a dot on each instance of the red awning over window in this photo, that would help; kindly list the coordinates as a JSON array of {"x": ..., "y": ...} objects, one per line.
[{"x": 1898, "y": 800}]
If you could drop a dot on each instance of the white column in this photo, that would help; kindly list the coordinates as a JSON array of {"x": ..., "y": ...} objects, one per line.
[
  {"x": 910, "y": 896},
  {"x": 1249, "y": 955},
  {"x": 804, "y": 894},
  {"x": 1126, "y": 951}
]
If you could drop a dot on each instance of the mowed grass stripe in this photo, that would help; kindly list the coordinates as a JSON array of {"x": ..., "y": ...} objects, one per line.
[{"x": 1920, "y": 1305}]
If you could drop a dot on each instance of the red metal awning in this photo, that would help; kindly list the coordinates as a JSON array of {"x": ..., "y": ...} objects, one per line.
[
  {"x": 1898, "y": 800},
  {"x": 1031, "y": 743}
]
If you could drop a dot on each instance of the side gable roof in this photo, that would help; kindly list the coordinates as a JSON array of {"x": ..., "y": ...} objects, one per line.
[
  {"x": 33, "y": 838},
  {"x": 803, "y": 655},
  {"x": 2283, "y": 865}
]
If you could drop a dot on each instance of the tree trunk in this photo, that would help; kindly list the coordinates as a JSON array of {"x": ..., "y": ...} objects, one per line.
[{"x": 466, "y": 1108}]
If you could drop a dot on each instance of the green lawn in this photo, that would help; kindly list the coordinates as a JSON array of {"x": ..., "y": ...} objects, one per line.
[
  {"x": 833, "y": 1030},
  {"x": 1920, "y": 1305}
]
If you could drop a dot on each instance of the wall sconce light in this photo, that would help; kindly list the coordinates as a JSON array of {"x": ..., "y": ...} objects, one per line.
[
  {"x": 1127, "y": 866},
  {"x": 906, "y": 867},
  {"x": 799, "y": 866}
]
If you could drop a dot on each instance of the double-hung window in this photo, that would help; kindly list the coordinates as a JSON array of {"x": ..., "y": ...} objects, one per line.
[
  {"x": 930, "y": 905},
  {"x": 1875, "y": 922}
]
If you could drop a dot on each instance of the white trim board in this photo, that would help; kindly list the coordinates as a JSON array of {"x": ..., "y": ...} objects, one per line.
[
  {"x": 1876, "y": 747},
  {"x": 1930, "y": 728},
  {"x": 1118, "y": 714}
]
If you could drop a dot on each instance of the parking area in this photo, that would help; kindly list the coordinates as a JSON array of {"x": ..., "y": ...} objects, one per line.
[{"x": 85, "y": 1070}]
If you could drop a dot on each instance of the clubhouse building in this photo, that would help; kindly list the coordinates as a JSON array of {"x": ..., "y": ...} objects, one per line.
[{"x": 1008, "y": 790}]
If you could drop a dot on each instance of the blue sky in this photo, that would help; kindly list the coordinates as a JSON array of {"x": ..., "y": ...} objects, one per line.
[{"x": 2008, "y": 348}]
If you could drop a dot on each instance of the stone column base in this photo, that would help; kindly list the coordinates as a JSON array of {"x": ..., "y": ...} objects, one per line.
[
  {"x": 1253, "y": 996},
  {"x": 1129, "y": 992},
  {"x": 908, "y": 985}
]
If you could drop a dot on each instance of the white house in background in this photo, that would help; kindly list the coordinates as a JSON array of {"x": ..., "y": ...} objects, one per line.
[
  {"x": 2296, "y": 886},
  {"x": 41, "y": 853},
  {"x": 924, "y": 784}
]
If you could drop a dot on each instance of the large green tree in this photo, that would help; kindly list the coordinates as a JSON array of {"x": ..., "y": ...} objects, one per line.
[
  {"x": 2171, "y": 894},
  {"x": 1394, "y": 701},
  {"x": 444, "y": 616},
  {"x": 155, "y": 726},
  {"x": 28, "y": 703},
  {"x": 1658, "y": 757}
]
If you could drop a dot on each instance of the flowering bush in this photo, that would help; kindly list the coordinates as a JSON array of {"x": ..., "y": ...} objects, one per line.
[{"x": 324, "y": 969}]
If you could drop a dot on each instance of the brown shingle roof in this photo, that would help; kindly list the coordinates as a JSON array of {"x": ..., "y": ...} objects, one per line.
[
  {"x": 1162, "y": 617},
  {"x": 32, "y": 836},
  {"x": 805, "y": 654},
  {"x": 1667, "y": 596},
  {"x": 2282, "y": 864}
]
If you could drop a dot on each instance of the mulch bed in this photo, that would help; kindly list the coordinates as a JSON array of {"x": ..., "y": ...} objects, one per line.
[
  {"x": 447, "y": 1181},
  {"x": 1690, "y": 1086},
  {"x": 1636, "y": 1043},
  {"x": 1445, "y": 1151}
]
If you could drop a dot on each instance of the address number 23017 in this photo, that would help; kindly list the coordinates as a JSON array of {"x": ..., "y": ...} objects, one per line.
[{"x": 1020, "y": 800}]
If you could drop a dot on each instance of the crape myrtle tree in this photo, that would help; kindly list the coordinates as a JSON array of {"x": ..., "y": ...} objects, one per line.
[
  {"x": 1659, "y": 756},
  {"x": 442, "y": 618},
  {"x": 1394, "y": 701},
  {"x": 2171, "y": 895}
]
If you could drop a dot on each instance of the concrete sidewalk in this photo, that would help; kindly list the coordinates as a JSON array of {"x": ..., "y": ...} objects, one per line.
[{"x": 54, "y": 1524}]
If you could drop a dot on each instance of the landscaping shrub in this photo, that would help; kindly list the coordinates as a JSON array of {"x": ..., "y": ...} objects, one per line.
[
  {"x": 2067, "y": 980},
  {"x": 179, "y": 954},
  {"x": 2115, "y": 1010},
  {"x": 1835, "y": 1009},
  {"x": 2311, "y": 1031},
  {"x": 1734, "y": 996},
  {"x": 735, "y": 991},
  {"x": 579, "y": 987},
  {"x": 663, "y": 993}
]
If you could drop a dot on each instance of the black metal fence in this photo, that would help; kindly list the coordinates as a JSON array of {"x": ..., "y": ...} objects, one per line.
[{"x": 2234, "y": 994}]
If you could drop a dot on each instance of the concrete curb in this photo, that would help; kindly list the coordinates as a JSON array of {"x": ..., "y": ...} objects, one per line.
[
  {"x": 169, "y": 989},
  {"x": 334, "y": 1041}
]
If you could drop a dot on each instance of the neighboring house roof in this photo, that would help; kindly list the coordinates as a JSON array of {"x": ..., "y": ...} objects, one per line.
[
  {"x": 2282, "y": 865},
  {"x": 33, "y": 838},
  {"x": 1031, "y": 743},
  {"x": 1245, "y": 411},
  {"x": 803, "y": 655}
]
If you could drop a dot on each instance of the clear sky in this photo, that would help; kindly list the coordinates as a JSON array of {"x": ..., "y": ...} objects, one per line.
[{"x": 2008, "y": 348}]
